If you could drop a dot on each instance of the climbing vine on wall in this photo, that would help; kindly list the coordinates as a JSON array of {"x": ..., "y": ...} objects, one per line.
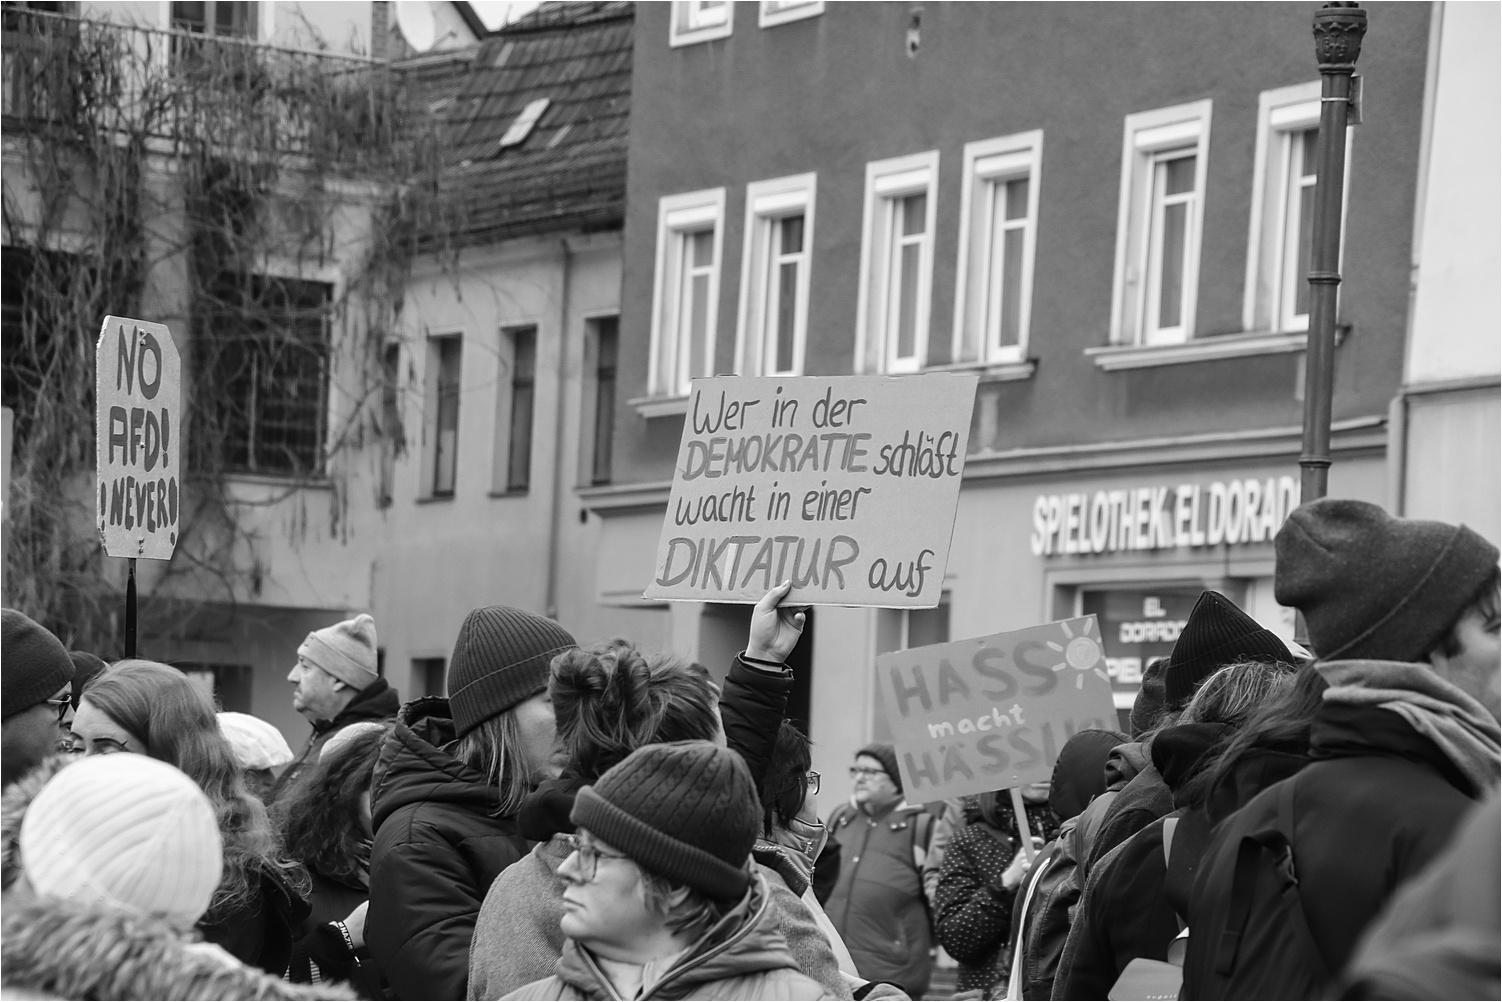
[{"x": 156, "y": 174}]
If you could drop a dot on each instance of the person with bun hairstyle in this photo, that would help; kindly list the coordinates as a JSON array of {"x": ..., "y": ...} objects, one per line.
[
  {"x": 609, "y": 701},
  {"x": 658, "y": 898},
  {"x": 449, "y": 781},
  {"x": 147, "y": 708}
]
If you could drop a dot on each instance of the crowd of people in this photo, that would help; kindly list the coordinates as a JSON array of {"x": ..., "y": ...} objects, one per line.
[{"x": 605, "y": 822}]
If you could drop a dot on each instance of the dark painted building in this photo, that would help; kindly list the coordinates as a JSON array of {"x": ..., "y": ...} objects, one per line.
[{"x": 1101, "y": 208}]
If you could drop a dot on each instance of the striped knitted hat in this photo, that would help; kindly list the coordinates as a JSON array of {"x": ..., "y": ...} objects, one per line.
[
  {"x": 124, "y": 830},
  {"x": 502, "y": 657},
  {"x": 686, "y": 811}
]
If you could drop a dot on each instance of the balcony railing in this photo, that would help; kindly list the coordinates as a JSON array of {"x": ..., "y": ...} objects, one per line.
[{"x": 69, "y": 74}]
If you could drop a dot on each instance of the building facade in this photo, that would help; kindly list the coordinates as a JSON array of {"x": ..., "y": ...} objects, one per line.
[{"x": 1102, "y": 209}]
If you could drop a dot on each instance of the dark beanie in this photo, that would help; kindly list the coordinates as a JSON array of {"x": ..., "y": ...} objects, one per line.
[
  {"x": 501, "y": 658},
  {"x": 1079, "y": 776},
  {"x": 1373, "y": 586},
  {"x": 1217, "y": 633},
  {"x": 35, "y": 664},
  {"x": 887, "y": 756},
  {"x": 685, "y": 811},
  {"x": 1148, "y": 707}
]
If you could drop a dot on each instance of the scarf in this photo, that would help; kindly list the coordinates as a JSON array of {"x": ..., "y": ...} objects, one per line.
[{"x": 1460, "y": 727}]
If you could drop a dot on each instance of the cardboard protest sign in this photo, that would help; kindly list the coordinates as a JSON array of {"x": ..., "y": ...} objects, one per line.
[
  {"x": 845, "y": 484},
  {"x": 992, "y": 713},
  {"x": 138, "y": 402}
]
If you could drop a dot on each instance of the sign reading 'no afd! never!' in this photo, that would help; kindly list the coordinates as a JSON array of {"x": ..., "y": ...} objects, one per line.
[
  {"x": 847, "y": 485},
  {"x": 138, "y": 399}
]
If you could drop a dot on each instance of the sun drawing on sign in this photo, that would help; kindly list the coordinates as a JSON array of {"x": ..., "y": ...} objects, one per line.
[{"x": 1082, "y": 654}]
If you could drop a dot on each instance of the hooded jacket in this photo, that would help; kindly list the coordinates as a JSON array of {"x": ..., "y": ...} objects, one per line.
[
  {"x": 1378, "y": 801},
  {"x": 377, "y": 701},
  {"x": 742, "y": 956},
  {"x": 60, "y": 949},
  {"x": 438, "y": 847},
  {"x": 1124, "y": 912}
]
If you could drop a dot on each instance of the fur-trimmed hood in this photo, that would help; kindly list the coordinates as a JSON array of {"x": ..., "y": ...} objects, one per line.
[
  {"x": 13, "y": 804},
  {"x": 59, "y": 949}
]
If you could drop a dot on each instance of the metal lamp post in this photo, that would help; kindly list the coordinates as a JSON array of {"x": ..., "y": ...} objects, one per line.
[{"x": 1338, "y": 30}]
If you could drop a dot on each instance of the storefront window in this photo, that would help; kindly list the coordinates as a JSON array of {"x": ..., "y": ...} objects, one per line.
[{"x": 1137, "y": 625}]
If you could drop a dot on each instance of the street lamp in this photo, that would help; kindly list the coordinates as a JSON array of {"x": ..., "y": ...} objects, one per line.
[{"x": 1338, "y": 30}]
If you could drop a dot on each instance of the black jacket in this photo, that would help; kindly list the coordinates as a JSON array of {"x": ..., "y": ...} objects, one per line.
[
  {"x": 378, "y": 702},
  {"x": 1376, "y": 803},
  {"x": 437, "y": 849},
  {"x": 261, "y": 931}
]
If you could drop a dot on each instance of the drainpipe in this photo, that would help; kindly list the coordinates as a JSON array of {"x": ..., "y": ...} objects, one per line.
[{"x": 555, "y": 498}]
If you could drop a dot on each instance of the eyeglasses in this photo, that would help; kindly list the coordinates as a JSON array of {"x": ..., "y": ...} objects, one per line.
[
  {"x": 589, "y": 856},
  {"x": 857, "y": 771},
  {"x": 62, "y": 704},
  {"x": 813, "y": 781}
]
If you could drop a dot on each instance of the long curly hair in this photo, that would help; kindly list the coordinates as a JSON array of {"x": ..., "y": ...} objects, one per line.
[
  {"x": 611, "y": 699},
  {"x": 158, "y": 706},
  {"x": 319, "y": 816}
]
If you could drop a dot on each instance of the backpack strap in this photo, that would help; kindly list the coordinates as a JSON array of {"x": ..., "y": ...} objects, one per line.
[
  {"x": 1170, "y": 823},
  {"x": 1278, "y": 841}
]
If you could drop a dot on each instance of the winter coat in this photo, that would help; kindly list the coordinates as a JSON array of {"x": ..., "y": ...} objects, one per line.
[
  {"x": 1124, "y": 912},
  {"x": 1141, "y": 802},
  {"x": 437, "y": 849},
  {"x": 13, "y": 803},
  {"x": 1438, "y": 937},
  {"x": 320, "y": 953},
  {"x": 753, "y": 702},
  {"x": 62, "y": 949},
  {"x": 260, "y": 931},
  {"x": 377, "y": 701},
  {"x": 1378, "y": 801},
  {"x": 878, "y": 904},
  {"x": 742, "y": 957}
]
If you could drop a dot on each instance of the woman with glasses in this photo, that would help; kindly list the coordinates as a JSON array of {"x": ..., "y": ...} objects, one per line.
[
  {"x": 146, "y": 708},
  {"x": 658, "y": 899},
  {"x": 609, "y": 701}
]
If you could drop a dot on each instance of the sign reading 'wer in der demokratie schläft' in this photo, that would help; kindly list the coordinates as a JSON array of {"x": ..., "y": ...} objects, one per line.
[
  {"x": 847, "y": 485},
  {"x": 992, "y": 713},
  {"x": 138, "y": 395}
]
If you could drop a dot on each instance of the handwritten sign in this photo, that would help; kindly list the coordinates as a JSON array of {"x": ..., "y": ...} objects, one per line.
[
  {"x": 847, "y": 485},
  {"x": 992, "y": 713},
  {"x": 138, "y": 400}
]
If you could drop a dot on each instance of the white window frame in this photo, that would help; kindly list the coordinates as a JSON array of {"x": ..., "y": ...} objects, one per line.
[
  {"x": 1280, "y": 113},
  {"x": 887, "y": 183},
  {"x": 678, "y": 216},
  {"x": 1147, "y": 136},
  {"x": 767, "y": 204},
  {"x": 989, "y": 165},
  {"x": 688, "y": 25},
  {"x": 773, "y": 12}
]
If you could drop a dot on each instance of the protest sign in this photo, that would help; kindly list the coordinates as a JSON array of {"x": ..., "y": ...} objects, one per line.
[
  {"x": 138, "y": 403},
  {"x": 992, "y": 713},
  {"x": 847, "y": 485}
]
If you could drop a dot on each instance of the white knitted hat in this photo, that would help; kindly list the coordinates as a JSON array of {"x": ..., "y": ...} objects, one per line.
[
  {"x": 256, "y": 744},
  {"x": 124, "y": 830}
]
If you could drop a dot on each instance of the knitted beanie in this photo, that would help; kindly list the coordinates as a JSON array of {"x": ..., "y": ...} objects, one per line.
[
  {"x": 1148, "y": 706},
  {"x": 887, "y": 756},
  {"x": 256, "y": 744},
  {"x": 124, "y": 830},
  {"x": 686, "y": 811},
  {"x": 345, "y": 650},
  {"x": 502, "y": 656},
  {"x": 1217, "y": 633},
  {"x": 1373, "y": 586},
  {"x": 33, "y": 663}
]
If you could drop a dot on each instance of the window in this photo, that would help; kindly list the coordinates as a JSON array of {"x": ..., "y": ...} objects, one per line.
[
  {"x": 687, "y": 291},
  {"x": 1158, "y": 229},
  {"x": 430, "y": 676},
  {"x": 998, "y": 231},
  {"x": 775, "y": 12},
  {"x": 39, "y": 290},
  {"x": 700, "y": 21},
  {"x": 1282, "y": 223},
  {"x": 523, "y": 395},
  {"x": 896, "y": 264},
  {"x": 216, "y": 17},
  {"x": 393, "y": 438},
  {"x": 441, "y": 456},
  {"x": 606, "y": 332},
  {"x": 773, "y": 323},
  {"x": 266, "y": 342}
]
